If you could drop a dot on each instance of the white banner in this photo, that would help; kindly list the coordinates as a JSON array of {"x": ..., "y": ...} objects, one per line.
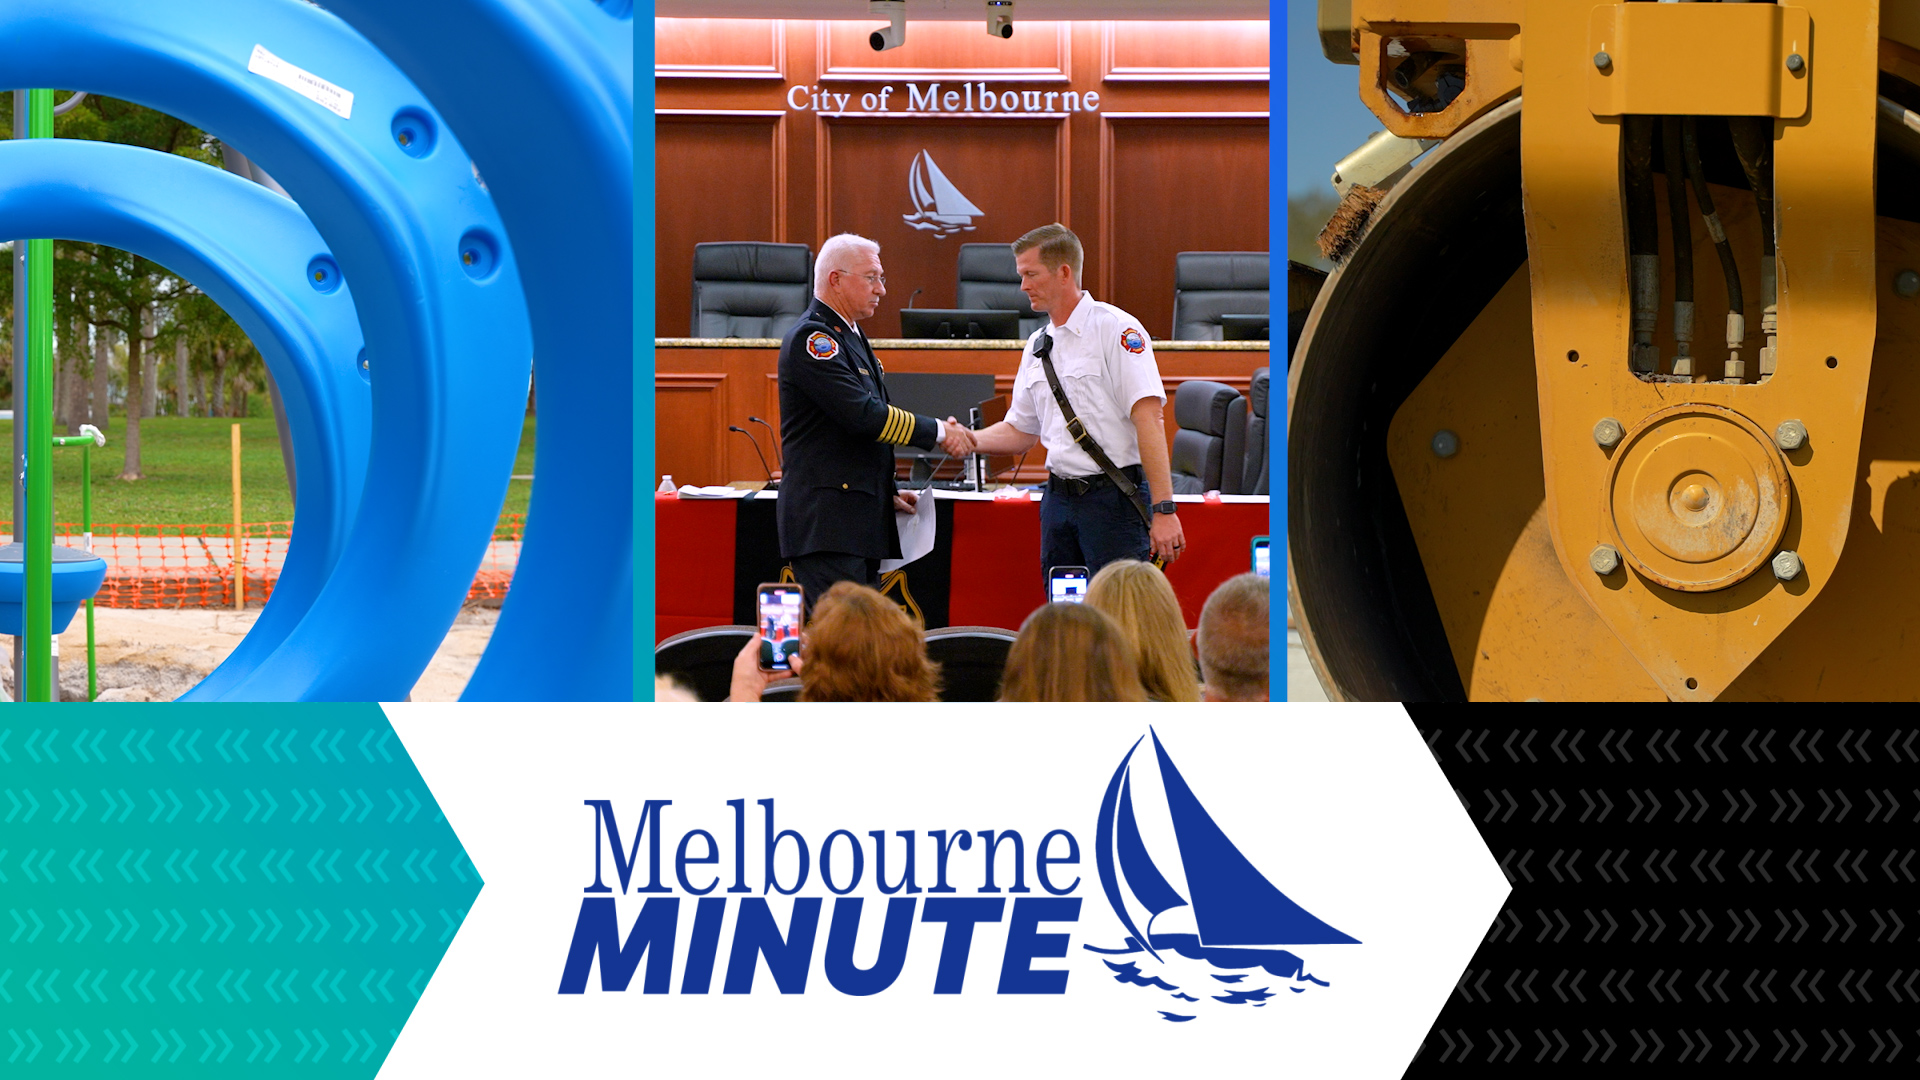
[{"x": 1269, "y": 888}]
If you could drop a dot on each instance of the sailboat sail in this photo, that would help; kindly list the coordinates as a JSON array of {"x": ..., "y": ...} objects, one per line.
[
  {"x": 1233, "y": 903},
  {"x": 938, "y": 206},
  {"x": 947, "y": 198},
  {"x": 1103, "y": 851},
  {"x": 1149, "y": 886}
]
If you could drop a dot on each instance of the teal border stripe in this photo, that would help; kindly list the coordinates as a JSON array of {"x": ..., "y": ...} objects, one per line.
[
  {"x": 643, "y": 333},
  {"x": 1277, "y": 425}
]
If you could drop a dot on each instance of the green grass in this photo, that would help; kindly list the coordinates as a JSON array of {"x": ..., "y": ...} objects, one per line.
[{"x": 188, "y": 466}]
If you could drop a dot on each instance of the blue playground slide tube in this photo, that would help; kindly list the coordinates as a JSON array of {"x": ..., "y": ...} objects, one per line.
[
  {"x": 248, "y": 249},
  {"x": 407, "y": 222},
  {"x": 541, "y": 94}
]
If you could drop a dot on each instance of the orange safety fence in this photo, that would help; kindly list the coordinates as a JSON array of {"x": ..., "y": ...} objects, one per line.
[{"x": 192, "y": 566}]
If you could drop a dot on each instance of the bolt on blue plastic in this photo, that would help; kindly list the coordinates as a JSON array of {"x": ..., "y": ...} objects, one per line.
[
  {"x": 312, "y": 102},
  {"x": 501, "y": 72},
  {"x": 246, "y": 248}
]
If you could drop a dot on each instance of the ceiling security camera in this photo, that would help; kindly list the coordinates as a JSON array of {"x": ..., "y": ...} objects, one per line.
[
  {"x": 895, "y": 35},
  {"x": 1000, "y": 18}
]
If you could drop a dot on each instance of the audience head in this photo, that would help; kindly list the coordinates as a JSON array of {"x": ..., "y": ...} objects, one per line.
[
  {"x": 861, "y": 646},
  {"x": 670, "y": 688},
  {"x": 1233, "y": 640},
  {"x": 1070, "y": 652},
  {"x": 1138, "y": 597}
]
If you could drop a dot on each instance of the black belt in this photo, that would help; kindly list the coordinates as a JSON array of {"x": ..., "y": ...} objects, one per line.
[{"x": 1081, "y": 485}]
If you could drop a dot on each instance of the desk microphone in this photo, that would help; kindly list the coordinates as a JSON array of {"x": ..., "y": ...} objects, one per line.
[
  {"x": 910, "y": 297},
  {"x": 756, "y": 449},
  {"x": 773, "y": 437}
]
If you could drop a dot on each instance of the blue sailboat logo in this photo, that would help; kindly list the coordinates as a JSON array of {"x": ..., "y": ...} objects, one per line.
[{"x": 1232, "y": 918}]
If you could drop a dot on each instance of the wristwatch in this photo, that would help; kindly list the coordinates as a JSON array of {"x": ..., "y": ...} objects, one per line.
[{"x": 1166, "y": 507}]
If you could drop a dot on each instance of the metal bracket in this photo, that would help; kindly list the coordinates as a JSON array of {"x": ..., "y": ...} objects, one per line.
[
  {"x": 1695, "y": 643},
  {"x": 1698, "y": 59}
]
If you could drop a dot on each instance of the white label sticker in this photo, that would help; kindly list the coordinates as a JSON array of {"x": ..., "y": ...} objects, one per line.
[{"x": 302, "y": 82}]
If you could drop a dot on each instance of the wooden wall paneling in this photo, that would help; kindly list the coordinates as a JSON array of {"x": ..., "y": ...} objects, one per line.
[
  {"x": 690, "y": 410},
  {"x": 1010, "y": 167},
  {"x": 1173, "y": 183},
  {"x": 1038, "y": 52},
  {"x": 1184, "y": 52},
  {"x": 719, "y": 49},
  {"x": 720, "y": 175}
]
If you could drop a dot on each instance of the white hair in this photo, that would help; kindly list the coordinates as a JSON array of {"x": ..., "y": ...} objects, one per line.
[{"x": 835, "y": 253}]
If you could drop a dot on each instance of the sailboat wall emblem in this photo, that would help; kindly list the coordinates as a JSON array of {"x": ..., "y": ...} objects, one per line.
[
  {"x": 938, "y": 206},
  {"x": 1225, "y": 914}
]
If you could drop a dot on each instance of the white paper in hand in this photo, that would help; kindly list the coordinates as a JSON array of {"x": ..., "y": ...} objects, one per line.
[{"x": 916, "y": 533}]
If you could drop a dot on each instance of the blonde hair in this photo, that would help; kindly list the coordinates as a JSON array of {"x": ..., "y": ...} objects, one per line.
[
  {"x": 1140, "y": 599},
  {"x": 1070, "y": 652},
  {"x": 1058, "y": 246}
]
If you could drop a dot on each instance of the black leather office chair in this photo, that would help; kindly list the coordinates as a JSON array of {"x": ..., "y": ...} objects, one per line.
[
  {"x": 750, "y": 290},
  {"x": 971, "y": 659},
  {"x": 1207, "y": 439},
  {"x": 703, "y": 658},
  {"x": 1209, "y": 284},
  {"x": 1255, "y": 482},
  {"x": 989, "y": 281}
]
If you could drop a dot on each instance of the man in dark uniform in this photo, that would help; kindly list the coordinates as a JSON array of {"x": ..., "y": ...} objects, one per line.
[{"x": 837, "y": 431}]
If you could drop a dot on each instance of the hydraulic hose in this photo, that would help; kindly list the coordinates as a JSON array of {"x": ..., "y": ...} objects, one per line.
[
  {"x": 1736, "y": 305},
  {"x": 1753, "y": 142},
  {"x": 1643, "y": 241},
  {"x": 1681, "y": 227}
]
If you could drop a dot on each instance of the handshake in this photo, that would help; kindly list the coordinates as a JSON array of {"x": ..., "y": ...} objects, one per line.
[{"x": 959, "y": 441}]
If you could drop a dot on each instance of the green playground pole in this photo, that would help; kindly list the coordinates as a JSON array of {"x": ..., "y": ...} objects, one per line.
[
  {"x": 88, "y": 438},
  {"x": 38, "y": 553},
  {"x": 86, "y": 524}
]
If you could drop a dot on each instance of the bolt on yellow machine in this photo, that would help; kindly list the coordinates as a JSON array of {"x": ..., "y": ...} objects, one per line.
[{"x": 1616, "y": 393}]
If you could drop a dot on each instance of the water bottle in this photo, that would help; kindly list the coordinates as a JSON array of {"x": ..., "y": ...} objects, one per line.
[{"x": 666, "y": 485}]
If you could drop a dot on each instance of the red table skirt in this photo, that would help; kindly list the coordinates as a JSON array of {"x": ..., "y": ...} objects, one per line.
[{"x": 996, "y": 560}]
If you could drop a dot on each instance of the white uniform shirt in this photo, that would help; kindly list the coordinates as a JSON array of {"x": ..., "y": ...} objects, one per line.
[{"x": 1105, "y": 363}]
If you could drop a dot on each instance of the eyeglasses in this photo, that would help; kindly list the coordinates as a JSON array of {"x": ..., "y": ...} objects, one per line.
[{"x": 871, "y": 279}]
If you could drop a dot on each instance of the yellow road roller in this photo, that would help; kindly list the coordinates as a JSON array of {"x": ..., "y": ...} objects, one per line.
[{"x": 1615, "y": 393}]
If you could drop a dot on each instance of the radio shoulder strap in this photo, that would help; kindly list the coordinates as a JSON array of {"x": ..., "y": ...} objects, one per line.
[{"x": 1043, "y": 351}]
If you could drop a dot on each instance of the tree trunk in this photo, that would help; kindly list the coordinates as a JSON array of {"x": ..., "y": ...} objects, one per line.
[
  {"x": 242, "y": 389},
  {"x": 136, "y": 378},
  {"x": 102, "y": 375},
  {"x": 219, "y": 382},
  {"x": 200, "y": 393},
  {"x": 150, "y": 375},
  {"x": 73, "y": 392},
  {"x": 180, "y": 378}
]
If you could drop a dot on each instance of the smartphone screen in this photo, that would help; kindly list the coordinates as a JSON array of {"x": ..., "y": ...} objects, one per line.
[
  {"x": 1262, "y": 557},
  {"x": 1067, "y": 584},
  {"x": 779, "y": 626}
]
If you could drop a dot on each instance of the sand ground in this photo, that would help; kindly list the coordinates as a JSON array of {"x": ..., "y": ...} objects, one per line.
[{"x": 147, "y": 655}]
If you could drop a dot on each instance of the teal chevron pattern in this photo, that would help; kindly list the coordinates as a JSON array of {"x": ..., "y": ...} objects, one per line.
[{"x": 253, "y": 889}]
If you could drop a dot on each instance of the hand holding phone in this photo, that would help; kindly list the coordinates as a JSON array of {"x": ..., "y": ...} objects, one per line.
[
  {"x": 779, "y": 613},
  {"x": 1067, "y": 584}
]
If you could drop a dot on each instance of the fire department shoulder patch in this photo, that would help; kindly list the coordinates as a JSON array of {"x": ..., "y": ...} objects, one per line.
[
  {"x": 821, "y": 346},
  {"x": 1132, "y": 340}
]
